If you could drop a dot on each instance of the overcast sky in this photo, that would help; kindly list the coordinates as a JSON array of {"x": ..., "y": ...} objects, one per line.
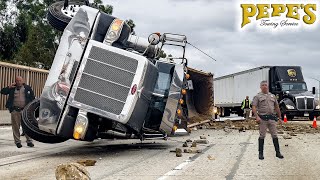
[{"x": 213, "y": 26}]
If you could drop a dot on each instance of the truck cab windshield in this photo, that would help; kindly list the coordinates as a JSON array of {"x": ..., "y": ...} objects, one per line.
[{"x": 294, "y": 87}]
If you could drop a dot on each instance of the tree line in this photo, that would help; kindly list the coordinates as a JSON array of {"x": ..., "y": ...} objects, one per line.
[{"x": 26, "y": 37}]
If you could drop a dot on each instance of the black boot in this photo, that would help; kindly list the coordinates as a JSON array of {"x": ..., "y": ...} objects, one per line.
[
  {"x": 277, "y": 148},
  {"x": 261, "y": 143}
]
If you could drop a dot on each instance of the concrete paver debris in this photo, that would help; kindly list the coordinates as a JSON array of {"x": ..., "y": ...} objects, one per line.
[
  {"x": 211, "y": 157},
  {"x": 179, "y": 152},
  {"x": 192, "y": 150},
  {"x": 194, "y": 144},
  {"x": 201, "y": 141},
  {"x": 185, "y": 144},
  {"x": 292, "y": 128},
  {"x": 203, "y": 137},
  {"x": 87, "y": 162},
  {"x": 71, "y": 171}
]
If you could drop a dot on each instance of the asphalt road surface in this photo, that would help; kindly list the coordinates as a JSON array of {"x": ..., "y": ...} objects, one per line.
[{"x": 233, "y": 155}]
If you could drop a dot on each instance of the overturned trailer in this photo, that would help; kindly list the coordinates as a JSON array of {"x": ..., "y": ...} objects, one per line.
[{"x": 106, "y": 82}]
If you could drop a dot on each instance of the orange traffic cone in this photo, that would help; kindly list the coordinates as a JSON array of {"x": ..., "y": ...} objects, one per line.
[
  {"x": 314, "y": 124},
  {"x": 285, "y": 119}
]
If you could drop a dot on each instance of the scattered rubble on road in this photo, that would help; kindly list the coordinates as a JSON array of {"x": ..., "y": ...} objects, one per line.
[
  {"x": 71, "y": 171},
  {"x": 291, "y": 128},
  {"x": 194, "y": 144},
  {"x": 179, "y": 152},
  {"x": 286, "y": 136},
  {"x": 201, "y": 141},
  {"x": 203, "y": 137},
  {"x": 192, "y": 150},
  {"x": 87, "y": 162},
  {"x": 211, "y": 157},
  {"x": 185, "y": 144}
]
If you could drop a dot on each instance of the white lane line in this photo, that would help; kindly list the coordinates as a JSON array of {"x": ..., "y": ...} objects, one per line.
[
  {"x": 175, "y": 170},
  {"x": 39, "y": 153},
  {"x": 5, "y": 127}
]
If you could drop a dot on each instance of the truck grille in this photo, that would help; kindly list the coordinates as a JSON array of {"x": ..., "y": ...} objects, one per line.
[
  {"x": 310, "y": 103},
  {"x": 106, "y": 80},
  {"x": 305, "y": 103}
]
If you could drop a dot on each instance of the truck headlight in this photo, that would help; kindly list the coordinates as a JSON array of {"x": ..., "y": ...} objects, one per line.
[
  {"x": 318, "y": 107},
  {"x": 114, "y": 31},
  {"x": 81, "y": 125},
  {"x": 290, "y": 106}
]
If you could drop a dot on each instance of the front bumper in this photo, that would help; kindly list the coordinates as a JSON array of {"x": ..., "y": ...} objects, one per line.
[{"x": 303, "y": 113}]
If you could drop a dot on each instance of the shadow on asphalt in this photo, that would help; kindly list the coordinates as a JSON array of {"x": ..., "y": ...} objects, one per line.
[{"x": 102, "y": 148}]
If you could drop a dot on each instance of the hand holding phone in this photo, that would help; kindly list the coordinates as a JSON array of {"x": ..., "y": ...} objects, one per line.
[{"x": 12, "y": 85}]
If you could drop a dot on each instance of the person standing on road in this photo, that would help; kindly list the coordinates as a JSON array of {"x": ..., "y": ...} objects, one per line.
[
  {"x": 246, "y": 107},
  {"x": 264, "y": 107},
  {"x": 20, "y": 95}
]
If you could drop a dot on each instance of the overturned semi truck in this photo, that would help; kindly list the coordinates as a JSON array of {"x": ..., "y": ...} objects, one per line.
[{"x": 106, "y": 82}]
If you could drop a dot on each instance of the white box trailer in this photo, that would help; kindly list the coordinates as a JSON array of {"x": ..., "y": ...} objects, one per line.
[
  {"x": 231, "y": 90},
  {"x": 286, "y": 82}
]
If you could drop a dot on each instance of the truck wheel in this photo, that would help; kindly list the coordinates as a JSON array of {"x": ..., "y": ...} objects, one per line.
[
  {"x": 29, "y": 123},
  {"x": 58, "y": 17},
  {"x": 311, "y": 118},
  {"x": 290, "y": 118},
  {"x": 227, "y": 111}
]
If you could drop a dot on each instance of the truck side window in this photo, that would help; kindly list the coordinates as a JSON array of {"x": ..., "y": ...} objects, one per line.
[{"x": 164, "y": 79}]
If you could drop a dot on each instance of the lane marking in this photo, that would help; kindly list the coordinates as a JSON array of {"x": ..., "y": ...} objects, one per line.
[
  {"x": 37, "y": 154},
  {"x": 235, "y": 167},
  {"x": 5, "y": 127}
]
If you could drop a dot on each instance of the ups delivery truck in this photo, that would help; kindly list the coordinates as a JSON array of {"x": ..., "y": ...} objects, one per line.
[{"x": 286, "y": 82}]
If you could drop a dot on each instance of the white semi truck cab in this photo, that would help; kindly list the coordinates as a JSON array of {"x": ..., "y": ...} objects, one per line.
[{"x": 106, "y": 82}]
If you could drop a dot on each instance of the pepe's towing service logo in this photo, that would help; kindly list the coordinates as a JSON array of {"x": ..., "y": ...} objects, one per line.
[{"x": 277, "y": 15}]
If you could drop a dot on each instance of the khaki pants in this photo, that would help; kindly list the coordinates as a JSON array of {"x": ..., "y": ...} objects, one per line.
[
  {"x": 16, "y": 122},
  {"x": 246, "y": 113},
  {"x": 271, "y": 125}
]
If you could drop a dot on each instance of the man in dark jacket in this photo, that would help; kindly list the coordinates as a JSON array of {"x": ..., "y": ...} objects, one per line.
[{"x": 20, "y": 95}]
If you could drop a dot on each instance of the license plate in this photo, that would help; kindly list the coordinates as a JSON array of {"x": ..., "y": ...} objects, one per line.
[{"x": 306, "y": 114}]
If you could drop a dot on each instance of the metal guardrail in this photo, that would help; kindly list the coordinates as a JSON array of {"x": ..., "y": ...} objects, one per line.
[{"x": 34, "y": 77}]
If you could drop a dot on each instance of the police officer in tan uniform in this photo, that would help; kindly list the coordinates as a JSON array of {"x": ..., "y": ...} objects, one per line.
[
  {"x": 265, "y": 107},
  {"x": 20, "y": 95}
]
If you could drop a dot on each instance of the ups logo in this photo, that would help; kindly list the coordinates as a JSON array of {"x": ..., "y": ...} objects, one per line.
[{"x": 292, "y": 72}]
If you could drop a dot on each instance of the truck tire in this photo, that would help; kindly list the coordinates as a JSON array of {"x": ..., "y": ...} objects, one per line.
[
  {"x": 311, "y": 118},
  {"x": 29, "y": 124},
  {"x": 227, "y": 111},
  {"x": 59, "y": 19},
  {"x": 290, "y": 118},
  {"x": 283, "y": 112}
]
